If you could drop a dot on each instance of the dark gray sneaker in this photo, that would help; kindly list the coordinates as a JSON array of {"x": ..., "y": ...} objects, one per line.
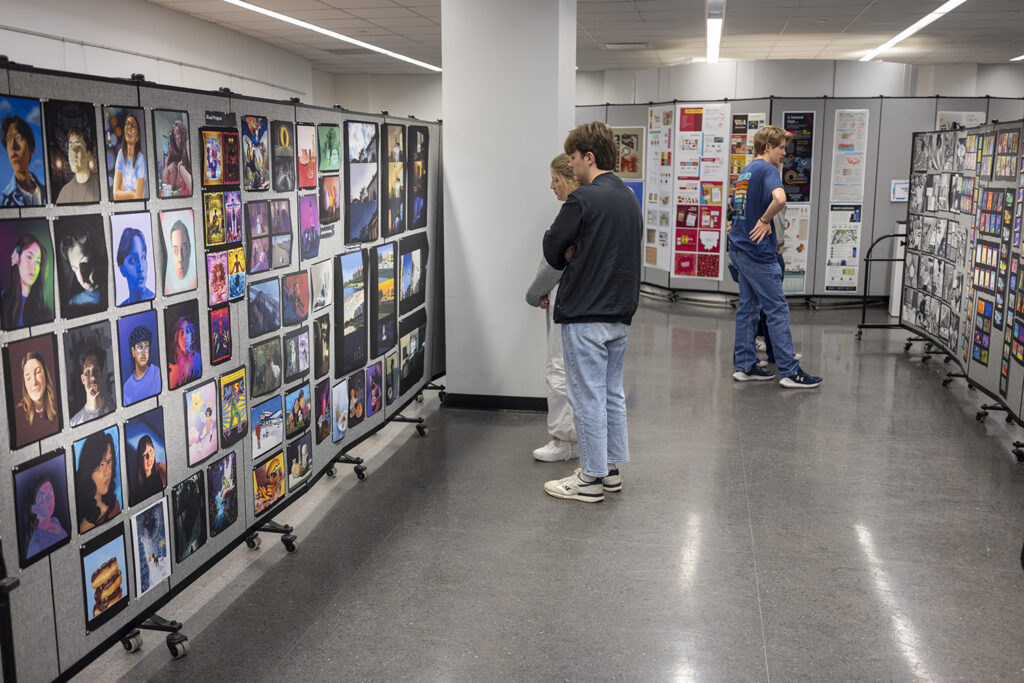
[
  {"x": 800, "y": 380},
  {"x": 755, "y": 373}
]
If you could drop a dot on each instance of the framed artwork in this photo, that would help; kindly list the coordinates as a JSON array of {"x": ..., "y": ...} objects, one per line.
[
  {"x": 89, "y": 372},
  {"x": 213, "y": 219},
  {"x": 356, "y": 398},
  {"x": 305, "y": 140},
  {"x": 97, "y": 479},
  {"x": 139, "y": 356},
  {"x": 300, "y": 461},
  {"x": 184, "y": 352},
  {"x": 323, "y": 410},
  {"x": 145, "y": 455},
  {"x": 330, "y": 199},
  {"x": 124, "y": 134},
  {"x": 267, "y": 432},
  {"x": 213, "y": 156},
  {"x": 220, "y": 335},
  {"x": 383, "y": 310},
  {"x": 41, "y": 507},
  {"x": 82, "y": 264},
  {"x": 322, "y": 345},
  {"x": 189, "y": 498},
  {"x": 413, "y": 251},
  {"x": 233, "y": 216},
  {"x": 234, "y": 419},
  {"x": 222, "y": 493},
  {"x": 296, "y": 354},
  {"x": 236, "y": 274},
  {"x": 282, "y": 146},
  {"x": 266, "y": 366},
  {"x": 297, "y": 413},
  {"x": 255, "y": 153},
  {"x": 280, "y": 251},
  {"x": 26, "y": 288},
  {"x": 350, "y": 320},
  {"x": 150, "y": 531},
  {"x": 309, "y": 227},
  {"x": 339, "y": 404},
  {"x": 71, "y": 151},
  {"x": 257, "y": 218},
  {"x": 412, "y": 332},
  {"x": 295, "y": 298},
  {"x": 178, "y": 230},
  {"x": 22, "y": 172},
  {"x": 322, "y": 287},
  {"x": 201, "y": 422},
  {"x": 394, "y": 176},
  {"x": 374, "y": 389},
  {"x": 230, "y": 142},
  {"x": 419, "y": 154},
  {"x": 132, "y": 244},
  {"x": 390, "y": 377},
  {"x": 264, "y": 307},
  {"x": 280, "y": 216},
  {"x": 330, "y": 147},
  {"x": 268, "y": 483},
  {"x": 104, "y": 559},
  {"x": 173, "y": 154},
  {"x": 33, "y": 389},
  {"x": 217, "y": 277},
  {"x": 362, "y": 182}
]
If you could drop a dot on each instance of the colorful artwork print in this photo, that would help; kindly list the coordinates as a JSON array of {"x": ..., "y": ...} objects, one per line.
[
  {"x": 268, "y": 483},
  {"x": 309, "y": 227},
  {"x": 411, "y": 349},
  {"x": 173, "y": 154},
  {"x": 413, "y": 279},
  {"x": 177, "y": 228},
  {"x": 217, "y": 277},
  {"x": 71, "y": 150},
  {"x": 230, "y": 142},
  {"x": 189, "y": 498},
  {"x": 232, "y": 216},
  {"x": 394, "y": 209},
  {"x": 134, "y": 257},
  {"x": 234, "y": 418},
  {"x": 322, "y": 286},
  {"x": 82, "y": 264},
  {"x": 418, "y": 142},
  {"x": 323, "y": 410},
  {"x": 236, "y": 274},
  {"x": 201, "y": 422},
  {"x": 385, "y": 318},
  {"x": 629, "y": 160},
  {"x": 124, "y": 131},
  {"x": 27, "y": 285},
  {"x": 222, "y": 487},
  {"x": 213, "y": 157},
  {"x": 339, "y": 406},
  {"x": 33, "y": 389},
  {"x": 295, "y": 298},
  {"x": 305, "y": 140},
  {"x": 350, "y": 321},
  {"x": 264, "y": 307},
  {"x": 267, "y": 431},
  {"x": 280, "y": 217},
  {"x": 297, "y": 410},
  {"x": 213, "y": 218},
  {"x": 97, "y": 479},
  {"x": 300, "y": 461},
  {"x": 374, "y": 390},
  {"x": 145, "y": 456},
  {"x": 361, "y": 182},
  {"x": 41, "y": 506},
  {"x": 266, "y": 366},
  {"x": 184, "y": 352},
  {"x": 89, "y": 368},
  {"x": 255, "y": 153},
  {"x": 282, "y": 145},
  {"x": 356, "y": 399},
  {"x": 150, "y": 530},
  {"x": 139, "y": 347},
  {"x": 259, "y": 255},
  {"x": 296, "y": 354},
  {"x": 280, "y": 251},
  {"x": 391, "y": 377},
  {"x": 257, "y": 218},
  {"x": 221, "y": 345},
  {"x": 322, "y": 345},
  {"x": 329, "y": 154},
  {"x": 330, "y": 199},
  {"x": 104, "y": 582},
  {"x": 22, "y": 173}
]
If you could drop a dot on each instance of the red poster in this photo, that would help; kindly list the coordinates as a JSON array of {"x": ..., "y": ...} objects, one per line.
[
  {"x": 686, "y": 216},
  {"x": 685, "y": 264},
  {"x": 691, "y": 119},
  {"x": 686, "y": 240},
  {"x": 711, "y": 217}
]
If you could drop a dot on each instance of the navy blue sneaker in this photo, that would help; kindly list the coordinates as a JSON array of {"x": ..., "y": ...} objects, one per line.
[
  {"x": 800, "y": 380},
  {"x": 754, "y": 373}
]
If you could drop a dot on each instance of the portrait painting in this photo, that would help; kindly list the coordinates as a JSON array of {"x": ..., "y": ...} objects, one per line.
[
  {"x": 309, "y": 227},
  {"x": 177, "y": 228},
  {"x": 299, "y": 461},
  {"x": 280, "y": 217},
  {"x": 282, "y": 149},
  {"x": 182, "y": 346},
  {"x": 236, "y": 274},
  {"x": 222, "y": 493},
  {"x": 296, "y": 354},
  {"x": 322, "y": 397},
  {"x": 305, "y": 140},
  {"x": 41, "y": 508},
  {"x": 22, "y": 176},
  {"x": 33, "y": 389},
  {"x": 232, "y": 216},
  {"x": 151, "y": 534},
  {"x": 330, "y": 199},
  {"x": 374, "y": 389},
  {"x": 298, "y": 403},
  {"x": 89, "y": 372},
  {"x": 26, "y": 287},
  {"x": 201, "y": 405},
  {"x": 328, "y": 136},
  {"x": 213, "y": 157},
  {"x": 229, "y": 141},
  {"x": 221, "y": 343},
  {"x": 234, "y": 418},
  {"x": 384, "y": 310},
  {"x": 255, "y": 153},
  {"x": 124, "y": 133},
  {"x": 339, "y": 406},
  {"x": 264, "y": 307},
  {"x": 134, "y": 260},
  {"x": 321, "y": 283},
  {"x": 390, "y": 377},
  {"x": 417, "y": 172},
  {"x": 72, "y": 152},
  {"x": 98, "y": 478},
  {"x": 356, "y": 398},
  {"x": 189, "y": 500},
  {"x": 267, "y": 426},
  {"x": 139, "y": 356},
  {"x": 350, "y": 321},
  {"x": 268, "y": 482},
  {"x": 217, "y": 277},
  {"x": 266, "y": 366},
  {"x": 213, "y": 218},
  {"x": 294, "y": 298},
  {"x": 322, "y": 345},
  {"x": 145, "y": 456},
  {"x": 173, "y": 153},
  {"x": 361, "y": 217},
  {"x": 413, "y": 251},
  {"x": 394, "y": 176},
  {"x": 280, "y": 251},
  {"x": 411, "y": 351},
  {"x": 82, "y": 264},
  {"x": 104, "y": 581}
]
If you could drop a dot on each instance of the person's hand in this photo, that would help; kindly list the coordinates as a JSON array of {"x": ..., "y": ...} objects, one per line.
[
  {"x": 760, "y": 231},
  {"x": 569, "y": 252},
  {"x": 544, "y": 301}
]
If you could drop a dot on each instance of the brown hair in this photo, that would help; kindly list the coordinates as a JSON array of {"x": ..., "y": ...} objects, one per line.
[
  {"x": 49, "y": 392},
  {"x": 597, "y": 138},
  {"x": 560, "y": 165},
  {"x": 770, "y": 135}
]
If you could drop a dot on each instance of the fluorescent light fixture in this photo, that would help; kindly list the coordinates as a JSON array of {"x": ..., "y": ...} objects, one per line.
[
  {"x": 1017, "y": 59},
  {"x": 914, "y": 28},
  {"x": 714, "y": 39},
  {"x": 625, "y": 46},
  {"x": 330, "y": 34}
]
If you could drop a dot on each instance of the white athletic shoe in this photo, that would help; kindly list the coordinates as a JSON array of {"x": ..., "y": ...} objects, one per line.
[
  {"x": 556, "y": 450},
  {"x": 574, "y": 488}
]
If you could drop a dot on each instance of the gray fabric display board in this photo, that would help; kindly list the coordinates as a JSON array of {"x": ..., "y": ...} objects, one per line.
[{"x": 52, "y": 634}]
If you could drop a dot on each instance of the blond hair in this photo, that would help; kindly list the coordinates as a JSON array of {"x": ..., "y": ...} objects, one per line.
[
  {"x": 560, "y": 165},
  {"x": 770, "y": 135}
]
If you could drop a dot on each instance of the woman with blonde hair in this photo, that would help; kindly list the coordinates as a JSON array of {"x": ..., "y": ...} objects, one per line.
[{"x": 541, "y": 293}]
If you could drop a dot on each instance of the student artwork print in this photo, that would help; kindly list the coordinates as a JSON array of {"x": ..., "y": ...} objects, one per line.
[
  {"x": 22, "y": 173},
  {"x": 173, "y": 154},
  {"x": 309, "y": 227},
  {"x": 418, "y": 156},
  {"x": 42, "y": 512},
  {"x": 232, "y": 216},
  {"x": 322, "y": 398},
  {"x": 361, "y": 182},
  {"x": 234, "y": 418},
  {"x": 257, "y": 220},
  {"x": 356, "y": 398},
  {"x": 266, "y": 366},
  {"x": 339, "y": 408},
  {"x": 236, "y": 274},
  {"x": 26, "y": 287},
  {"x": 33, "y": 389},
  {"x": 231, "y": 154},
  {"x": 201, "y": 421},
  {"x": 322, "y": 345},
  {"x": 412, "y": 332},
  {"x": 189, "y": 498},
  {"x": 222, "y": 493},
  {"x": 221, "y": 344},
  {"x": 330, "y": 203},
  {"x": 390, "y": 377},
  {"x": 177, "y": 229},
  {"x": 71, "y": 151},
  {"x": 305, "y": 140},
  {"x": 280, "y": 216},
  {"x": 350, "y": 320},
  {"x": 268, "y": 480},
  {"x": 213, "y": 219},
  {"x": 152, "y": 543},
  {"x": 297, "y": 410},
  {"x": 282, "y": 146},
  {"x": 413, "y": 252},
  {"x": 104, "y": 577},
  {"x": 296, "y": 354},
  {"x": 267, "y": 431},
  {"x": 124, "y": 133},
  {"x": 329, "y": 140},
  {"x": 139, "y": 356},
  {"x": 264, "y": 307},
  {"x": 134, "y": 260},
  {"x": 82, "y": 264},
  {"x": 299, "y": 461},
  {"x": 394, "y": 217},
  {"x": 182, "y": 345},
  {"x": 255, "y": 153},
  {"x": 97, "y": 478},
  {"x": 217, "y": 277},
  {"x": 295, "y": 298},
  {"x": 383, "y": 312},
  {"x": 321, "y": 283},
  {"x": 145, "y": 456},
  {"x": 89, "y": 368},
  {"x": 374, "y": 389},
  {"x": 213, "y": 156},
  {"x": 280, "y": 251}
]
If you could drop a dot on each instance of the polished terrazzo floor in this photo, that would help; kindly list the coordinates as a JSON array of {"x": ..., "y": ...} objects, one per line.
[{"x": 867, "y": 530}]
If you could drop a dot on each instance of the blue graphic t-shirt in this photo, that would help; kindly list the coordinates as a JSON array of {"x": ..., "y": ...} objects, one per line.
[{"x": 750, "y": 199}]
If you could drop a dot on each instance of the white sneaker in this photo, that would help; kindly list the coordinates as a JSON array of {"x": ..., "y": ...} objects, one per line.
[
  {"x": 574, "y": 488},
  {"x": 759, "y": 343},
  {"x": 556, "y": 450}
]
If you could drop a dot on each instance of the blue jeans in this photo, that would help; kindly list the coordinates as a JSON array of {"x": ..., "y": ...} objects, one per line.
[
  {"x": 593, "y": 370},
  {"x": 761, "y": 289}
]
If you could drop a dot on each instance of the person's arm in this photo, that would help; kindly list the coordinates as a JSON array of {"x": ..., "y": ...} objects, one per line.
[
  {"x": 563, "y": 232},
  {"x": 546, "y": 278},
  {"x": 764, "y": 224}
]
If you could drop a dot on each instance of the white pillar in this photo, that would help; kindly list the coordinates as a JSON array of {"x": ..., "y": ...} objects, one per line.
[{"x": 508, "y": 97}]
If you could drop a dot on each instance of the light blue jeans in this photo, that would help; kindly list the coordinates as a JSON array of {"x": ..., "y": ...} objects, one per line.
[
  {"x": 593, "y": 369},
  {"x": 761, "y": 289}
]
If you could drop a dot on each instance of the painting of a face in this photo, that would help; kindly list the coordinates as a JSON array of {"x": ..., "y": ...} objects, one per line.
[
  {"x": 103, "y": 474},
  {"x": 140, "y": 353},
  {"x": 29, "y": 263},
  {"x": 134, "y": 266},
  {"x": 35, "y": 380},
  {"x": 177, "y": 243}
]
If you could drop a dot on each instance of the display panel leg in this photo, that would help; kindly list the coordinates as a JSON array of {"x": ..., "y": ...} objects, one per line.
[
  {"x": 439, "y": 388},
  {"x": 995, "y": 408},
  {"x": 7, "y": 584},
  {"x": 177, "y": 642},
  {"x": 950, "y": 376},
  {"x": 272, "y": 527},
  {"x": 1018, "y": 450},
  {"x": 343, "y": 459},
  {"x": 911, "y": 340},
  {"x": 421, "y": 427}
]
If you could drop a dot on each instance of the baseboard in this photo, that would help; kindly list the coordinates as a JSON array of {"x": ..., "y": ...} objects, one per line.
[{"x": 525, "y": 404}]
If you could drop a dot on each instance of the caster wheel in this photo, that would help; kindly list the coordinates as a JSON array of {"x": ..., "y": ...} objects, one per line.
[
  {"x": 1019, "y": 454},
  {"x": 980, "y": 417},
  {"x": 945, "y": 361},
  {"x": 422, "y": 430},
  {"x": 132, "y": 642},
  {"x": 1009, "y": 419},
  {"x": 360, "y": 472},
  {"x": 946, "y": 382},
  {"x": 253, "y": 542},
  {"x": 331, "y": 474},
  {"x": 906, "y": 347},
  {"x": 178, "y": 645},
  {"x": 925, "y": 359},
  {"x": 442, "y": 396},
  {"x": 419, "y": 397},
  {"x": 289, "y": 543}
]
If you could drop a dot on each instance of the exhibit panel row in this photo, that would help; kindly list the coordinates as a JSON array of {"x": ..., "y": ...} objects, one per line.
[{"x": 209, "y": 298}]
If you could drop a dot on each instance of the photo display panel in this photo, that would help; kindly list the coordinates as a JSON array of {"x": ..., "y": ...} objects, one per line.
[
  {"x": 362, "y": 182},
  {"x": 350, "y": 312}
]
